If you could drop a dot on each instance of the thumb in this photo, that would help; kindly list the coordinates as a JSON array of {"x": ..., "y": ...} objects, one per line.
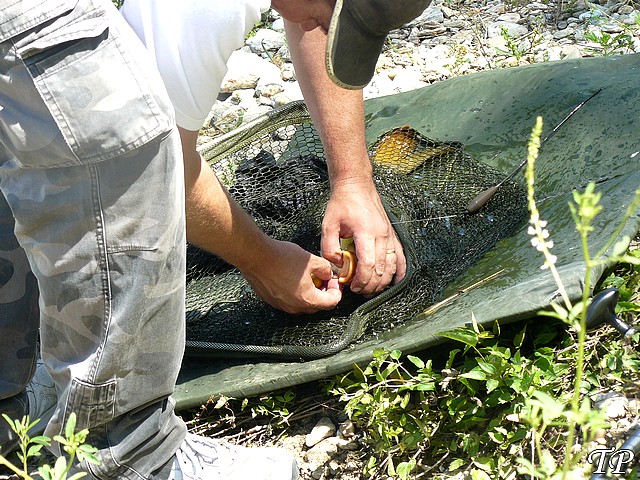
[{"x": 329, "y": 296}]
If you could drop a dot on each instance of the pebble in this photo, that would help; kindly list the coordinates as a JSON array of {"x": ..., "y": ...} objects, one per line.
[
  {"x": 347, "y": 429},
  {"x": 613, "y": 404},
  {"x": 320, "y": 454},
  {"x": 323, "y": 429}
]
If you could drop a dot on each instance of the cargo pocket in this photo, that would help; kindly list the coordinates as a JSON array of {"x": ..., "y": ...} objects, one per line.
[
  {"x": 92, "y": 404},
  {"x": 105, "y": 99}
]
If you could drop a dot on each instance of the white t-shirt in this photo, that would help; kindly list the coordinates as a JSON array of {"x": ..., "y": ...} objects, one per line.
[{"x": 191, "y": 41}]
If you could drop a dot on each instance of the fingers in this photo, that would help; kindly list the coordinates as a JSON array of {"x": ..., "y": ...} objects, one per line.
[
  {"x": 401, "y": 263},
  {"x": 380, "y": 263},
  {"x": 314, "y": 294},
  {"x": 328, "y": 296},
  {"x": 283, "y": 278},
  {"x": 330, "y": 244}
]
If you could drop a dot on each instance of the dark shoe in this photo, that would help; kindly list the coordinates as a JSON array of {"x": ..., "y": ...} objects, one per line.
[
  {"x": 15, "y": 408},
  {"x": 38, "y": 400}
]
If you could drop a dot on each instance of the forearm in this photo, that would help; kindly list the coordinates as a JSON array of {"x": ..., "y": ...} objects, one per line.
[
  {"x": 337, "y": 113},
  {"x": 355, "y": 208},
  {"x": 215, "y": 222}
]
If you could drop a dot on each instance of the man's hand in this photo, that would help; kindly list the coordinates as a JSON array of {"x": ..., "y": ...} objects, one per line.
[
  {"x": 279, "y": 272},
  {"x": 355, "y": 210},
  {"x": 283, "y": 279}
]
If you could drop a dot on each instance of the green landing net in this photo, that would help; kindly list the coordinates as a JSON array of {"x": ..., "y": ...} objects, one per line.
[{"x": 276, "y": 170}]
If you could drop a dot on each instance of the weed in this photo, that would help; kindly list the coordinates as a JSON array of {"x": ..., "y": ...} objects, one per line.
[
  {"x": 73, "y": 443},
  {"x": 461, "y": 62},
  {"x": 608, "y": 44},
  {"x": 520, "y": 48},
  {"x": 275, "y": 407}
]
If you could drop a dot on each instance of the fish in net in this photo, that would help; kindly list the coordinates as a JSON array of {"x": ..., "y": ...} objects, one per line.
[{"x": 275, "y": 168}]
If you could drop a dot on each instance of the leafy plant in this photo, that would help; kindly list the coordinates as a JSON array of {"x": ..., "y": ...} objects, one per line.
[
  {"x": 578, "y": 416},
  {"x": 611, "y": 44},
  {"x": 73, "y": 444},
  {"x": 274, "y": 406},
  {"x": 522, "y": 48},
  {"x": 391, "y": 401}
]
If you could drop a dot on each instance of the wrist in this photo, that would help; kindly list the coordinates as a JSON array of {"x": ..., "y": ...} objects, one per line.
[{"x": 350, "y": 172}]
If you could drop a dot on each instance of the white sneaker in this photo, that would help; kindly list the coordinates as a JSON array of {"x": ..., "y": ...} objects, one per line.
[
  {"x": 201, "y": 458},
  {"x": 43, "y": 398}
]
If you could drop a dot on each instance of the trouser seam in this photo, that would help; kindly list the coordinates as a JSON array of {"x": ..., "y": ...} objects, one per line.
[{"x": 103, "y": 265}]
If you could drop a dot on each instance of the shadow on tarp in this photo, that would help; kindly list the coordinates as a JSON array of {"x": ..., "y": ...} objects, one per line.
[{"x": 490, "y": 112}]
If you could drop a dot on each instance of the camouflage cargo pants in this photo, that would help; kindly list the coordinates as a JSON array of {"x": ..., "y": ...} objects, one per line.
[{"x": 92, "y": 233}]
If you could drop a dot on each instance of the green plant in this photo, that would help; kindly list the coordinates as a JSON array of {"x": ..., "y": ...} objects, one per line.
[
  {"x": 276, "y": 406},
  {"x": 73, "y": 444},
  {"x": 459, "y": 52},
  {"x": 543, "y": 410},
  {"x": 522, "y": 48},
  {"x": 465, "y": 412},
  {"x": 610, "y": 44},
  {"x": 390, "y": 402}
]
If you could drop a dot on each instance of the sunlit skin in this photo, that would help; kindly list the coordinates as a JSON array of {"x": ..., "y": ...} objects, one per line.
[{"x": 309, "y": 14}]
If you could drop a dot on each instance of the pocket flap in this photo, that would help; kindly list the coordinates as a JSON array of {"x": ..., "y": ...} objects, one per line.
[{"x": 64, "y": 29}]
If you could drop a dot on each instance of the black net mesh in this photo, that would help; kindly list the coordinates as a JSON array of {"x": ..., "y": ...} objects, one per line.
[{"x": 275, "y": 168}]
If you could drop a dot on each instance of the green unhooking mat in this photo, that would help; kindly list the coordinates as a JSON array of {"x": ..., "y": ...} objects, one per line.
[{"x": 489, "y": 113}]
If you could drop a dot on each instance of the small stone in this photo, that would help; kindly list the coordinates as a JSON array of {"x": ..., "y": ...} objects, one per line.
[
  {"x": 278, "y": 25},
  {"x": 448, "y": 12},
  {"x": 321, "y": 454},
  {"x": 263, "y": 100},
  {"x": 560, "y": 34},
  {"x": 613, "y": 404},
  {"x": 287, "y": 72},
  {"x": 270, "y": 89},
  {"x": 347, "y": 429},
  {"x": 318, "y": 473},
  {"x": 432, "y": 14},
  {"x": 512, "y": 29},
  {"x": 265, "y": 39},
  {"x": 611, "y": 28},
  {"x": 509, "y": 17},
  {"x": 590, "y": 16},
  {"x": 348, "y": 444},
  {"x": 323, "y": 429}
]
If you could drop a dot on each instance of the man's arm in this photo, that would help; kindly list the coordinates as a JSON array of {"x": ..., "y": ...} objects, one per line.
[
  {"x": 355, "y": 209},
  {"x": 279, "y": 272}
]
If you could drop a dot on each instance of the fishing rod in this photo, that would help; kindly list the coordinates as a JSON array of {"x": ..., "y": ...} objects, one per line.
[{"x": 483, "y": 197}]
